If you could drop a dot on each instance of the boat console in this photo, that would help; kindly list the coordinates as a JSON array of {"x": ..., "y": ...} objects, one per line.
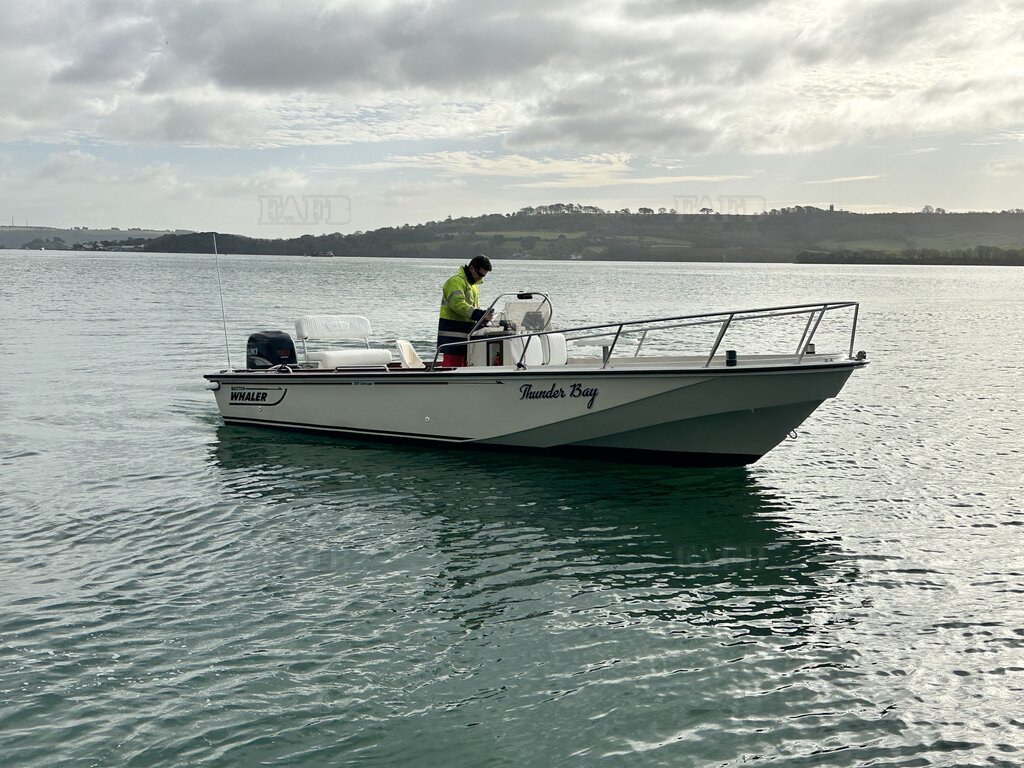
[
  {"x": 520, "y": 335},
  {"x": 498, "y": 347}
]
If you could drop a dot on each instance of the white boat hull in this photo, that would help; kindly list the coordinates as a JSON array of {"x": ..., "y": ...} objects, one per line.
[{"x": 678, "y": 415}]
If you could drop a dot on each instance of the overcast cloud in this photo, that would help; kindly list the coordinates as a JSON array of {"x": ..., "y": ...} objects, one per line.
[{"x": 490, "y": 106}]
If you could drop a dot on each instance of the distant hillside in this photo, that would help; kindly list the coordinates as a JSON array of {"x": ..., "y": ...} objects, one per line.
[
  {"x": 202, "y": 242},
  {"x": 36, "y": 237},
  {"x": 587, "y": 233}
]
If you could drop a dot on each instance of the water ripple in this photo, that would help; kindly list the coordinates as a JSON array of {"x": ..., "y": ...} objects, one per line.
[{"x": 180, "y": 593}]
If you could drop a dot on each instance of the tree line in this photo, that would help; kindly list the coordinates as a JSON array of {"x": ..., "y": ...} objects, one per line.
[
  {"x": 980, "y": 255},
  {"x": 573, "y": 231}
]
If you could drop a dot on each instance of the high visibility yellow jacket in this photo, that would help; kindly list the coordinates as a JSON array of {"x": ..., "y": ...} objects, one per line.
[{"x": 460, "y": 309}]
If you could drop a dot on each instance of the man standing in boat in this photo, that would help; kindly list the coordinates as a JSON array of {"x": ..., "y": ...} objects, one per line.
[{"x": 460, "y": 310}]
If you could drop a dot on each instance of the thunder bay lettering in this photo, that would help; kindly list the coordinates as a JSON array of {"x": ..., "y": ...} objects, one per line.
[{"x": 576, "y": 390}]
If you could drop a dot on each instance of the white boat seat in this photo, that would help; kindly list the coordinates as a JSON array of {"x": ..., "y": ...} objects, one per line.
[
  {"x": 410, "y": 358},
  {"x": 555, "y": 350},
  {"x": 350, "y": 358},
  {"x": 326, "y": 328},
  {"x": 534, "y": 353},
  {"x": 333, "y": 328}
]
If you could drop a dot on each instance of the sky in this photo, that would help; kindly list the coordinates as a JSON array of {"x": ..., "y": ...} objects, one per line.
[{"x": 273, "y": 119}]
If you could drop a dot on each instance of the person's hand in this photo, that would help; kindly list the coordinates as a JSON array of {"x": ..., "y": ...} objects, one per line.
[{"x": 488, "y": 315}]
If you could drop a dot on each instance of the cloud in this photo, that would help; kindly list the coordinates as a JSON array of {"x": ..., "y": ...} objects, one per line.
[
  {"x": 77, "y": 169},
  {"x": 70, "y": 167},
  {"x": 464, "y": 163},
  {"x": 274, "y": 180},
  {"x": 590, "y": 171},
  {"x": 403, "y": 193},
  {"x": 111, "y": 52},
  {"x": 188, "y": 118},
  {"x": 646, "y": 9},
  {"x": 592, "y": 182},
  {"x": 605, "y": 114},
  {"x": 845, "y": 179},
  {"x": 879, "y": 29},
  {"x": 581, "y": 79},
  {"x": 1009, "y": 166},
  {"x": 283, "y": 47}
]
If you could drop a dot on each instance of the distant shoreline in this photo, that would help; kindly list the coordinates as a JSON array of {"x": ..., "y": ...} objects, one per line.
[
  {"x": 799, "y": 235},
  {"x": 820, "y": 260}
]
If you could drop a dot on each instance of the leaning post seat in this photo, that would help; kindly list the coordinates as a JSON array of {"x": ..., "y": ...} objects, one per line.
[
  {"x": 532, "y": 345},
  {"x": 327, "y": 328},
  {"x": 554, "y": 347}
]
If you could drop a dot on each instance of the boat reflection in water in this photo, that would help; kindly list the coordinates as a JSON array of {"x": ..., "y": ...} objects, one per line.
[
  {"x": 563, "y": 607},
  {"x": 496, "y": 536}
]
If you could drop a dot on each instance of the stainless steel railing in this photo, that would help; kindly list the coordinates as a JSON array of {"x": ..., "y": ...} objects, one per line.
[{"x": 725, "y": 320}]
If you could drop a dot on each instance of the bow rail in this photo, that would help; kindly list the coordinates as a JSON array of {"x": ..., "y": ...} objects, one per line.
[{"x": 614, "y": 332}]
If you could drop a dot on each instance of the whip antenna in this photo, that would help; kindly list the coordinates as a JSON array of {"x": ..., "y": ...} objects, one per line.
[{"x": 220, "y": 289}]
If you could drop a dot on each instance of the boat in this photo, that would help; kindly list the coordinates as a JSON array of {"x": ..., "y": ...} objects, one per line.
[
  {"x": 323, "y": 254},
  {"x": 708, "y": 389}
]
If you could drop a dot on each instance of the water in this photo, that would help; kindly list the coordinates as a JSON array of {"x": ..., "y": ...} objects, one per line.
[{"x": 174, "y": 592}]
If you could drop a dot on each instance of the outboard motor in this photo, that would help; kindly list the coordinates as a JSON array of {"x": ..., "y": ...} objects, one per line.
[{"x": 269, "y": 348}]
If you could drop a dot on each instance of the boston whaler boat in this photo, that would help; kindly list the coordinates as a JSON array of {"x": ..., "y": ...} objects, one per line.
[{"x": 686, "y": 390}]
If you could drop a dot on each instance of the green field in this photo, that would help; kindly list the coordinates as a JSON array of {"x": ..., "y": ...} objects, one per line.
[
  {"x": 540, "y": 234},
  {"x": 946, "y": 242},
  {"x": 877, "y": 244},
  {"x": 963, "y": 240},
  {"x": 656, "y": 242}
]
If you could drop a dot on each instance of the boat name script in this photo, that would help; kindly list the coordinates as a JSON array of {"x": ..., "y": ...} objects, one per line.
[{"x": 576, "y": 390}]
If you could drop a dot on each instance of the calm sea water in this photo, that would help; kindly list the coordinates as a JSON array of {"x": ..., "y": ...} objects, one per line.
[{"x": 174, "y": 592}]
